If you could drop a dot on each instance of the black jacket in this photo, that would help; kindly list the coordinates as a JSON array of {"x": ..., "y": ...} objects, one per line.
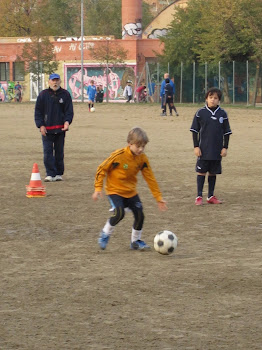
[
  {"x": 168, "y": 89},
  {"x": 53, "y": 109}
]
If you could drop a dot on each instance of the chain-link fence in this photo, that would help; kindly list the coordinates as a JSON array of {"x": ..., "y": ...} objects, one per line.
[{"x": 240, "y": 82}]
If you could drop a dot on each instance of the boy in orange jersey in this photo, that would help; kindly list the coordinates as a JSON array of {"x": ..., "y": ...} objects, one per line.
[{"x": 121, "y": 168}]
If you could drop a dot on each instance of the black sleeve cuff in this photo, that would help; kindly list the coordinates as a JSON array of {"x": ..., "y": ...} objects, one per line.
[
  {"x": 226, "y": 141},
  {"x": 195, "y": 139}
]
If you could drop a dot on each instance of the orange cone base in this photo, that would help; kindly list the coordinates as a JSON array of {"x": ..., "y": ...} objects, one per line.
[
  {"x": 35, "y": 192},
  {"x": 40, "y": 195}
]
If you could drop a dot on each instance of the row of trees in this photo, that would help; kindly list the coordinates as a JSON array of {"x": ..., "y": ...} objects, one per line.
[
  {"x": 62, "y": 17},
  {"x": 215, "y": 31},
  {"x": 39, "y": 19},
  {"x": 205, "y": 31}
]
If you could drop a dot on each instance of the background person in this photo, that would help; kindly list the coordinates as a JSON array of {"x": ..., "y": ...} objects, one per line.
[
  {"x": 53, "y": 115},
  {"x": 141, "y": 90},
  {"x": 99, "y": 94},
  {"x": 162, "y": 91},
  {"x": 168, "y": 99},
  {"x": 18, "y": 92},
  {"x": 91, "y": 94},
  {"x": 128, "y": 91}
]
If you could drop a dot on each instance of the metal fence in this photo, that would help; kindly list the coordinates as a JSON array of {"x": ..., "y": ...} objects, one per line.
[{"x": 240, "y": 82}]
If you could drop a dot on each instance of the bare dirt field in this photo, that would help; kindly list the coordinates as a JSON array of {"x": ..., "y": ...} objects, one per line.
[{"x": 59, "y": 291}]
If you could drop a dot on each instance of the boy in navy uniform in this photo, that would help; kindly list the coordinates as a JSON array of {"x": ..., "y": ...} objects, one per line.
[
  {"x": 210, "y": 130},
  {"x": 168, "y": 99}
]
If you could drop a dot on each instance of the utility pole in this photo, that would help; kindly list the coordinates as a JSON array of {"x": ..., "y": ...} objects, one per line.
[{"x": 82, "y": 51}]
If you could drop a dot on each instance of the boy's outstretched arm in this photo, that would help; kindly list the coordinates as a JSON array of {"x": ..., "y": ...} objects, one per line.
[
  {"x": 162, "y": 205},
  {"x": 96, "y": 195}
]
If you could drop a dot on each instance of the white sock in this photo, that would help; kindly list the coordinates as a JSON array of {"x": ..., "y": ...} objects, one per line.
[
  {"x": 136, "y": 234},
  {"x": 108, "y": 229}
]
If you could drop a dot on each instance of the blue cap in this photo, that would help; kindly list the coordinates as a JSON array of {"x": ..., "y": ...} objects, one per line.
[{"x": 54, "y": 76}]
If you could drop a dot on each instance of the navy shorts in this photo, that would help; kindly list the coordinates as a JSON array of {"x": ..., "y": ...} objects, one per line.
[
  {"x": 210, "y": 166},
  {"x": 118, "y": 201}
]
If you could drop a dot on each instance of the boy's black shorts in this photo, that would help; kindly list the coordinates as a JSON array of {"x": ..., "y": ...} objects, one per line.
[
  {"x": 168, "y": 100},
  {"x": 210, "y": 166}
]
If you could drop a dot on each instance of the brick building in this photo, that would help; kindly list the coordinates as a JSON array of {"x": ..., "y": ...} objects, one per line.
[{"x": 142, "y": 47}]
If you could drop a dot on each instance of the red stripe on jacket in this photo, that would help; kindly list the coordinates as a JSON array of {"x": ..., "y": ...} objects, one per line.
[{"x": 54, "y": 127}]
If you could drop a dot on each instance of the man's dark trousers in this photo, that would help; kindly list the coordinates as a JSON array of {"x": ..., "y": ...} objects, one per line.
[{"x": 53, "y": 145}]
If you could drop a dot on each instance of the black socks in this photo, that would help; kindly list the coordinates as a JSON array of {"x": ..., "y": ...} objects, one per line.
[
  {"x": 211, "y": 185},
  {"x": 200, "y": 184}
]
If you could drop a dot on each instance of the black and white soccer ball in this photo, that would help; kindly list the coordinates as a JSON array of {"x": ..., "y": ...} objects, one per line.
[{"x": 165, "y": 242}]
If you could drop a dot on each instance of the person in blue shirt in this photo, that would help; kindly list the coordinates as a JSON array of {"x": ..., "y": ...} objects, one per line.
[
  {"x": 210, "y": 129},
  {"x": 163, "y": 93},
  {"x": 18, "y": 92},
  {"x": 91, "y": 94}
]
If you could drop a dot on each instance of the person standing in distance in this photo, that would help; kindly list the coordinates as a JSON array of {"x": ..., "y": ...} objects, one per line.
[
  {"x": 210, "y": 129},
  {"x": 168, "y": 99},
  {"x": 163, "y": 93},
  {"x": 128, "y": 91},
  {"x": 53, "y": 115},
  {"x": 91, "y": 93}
]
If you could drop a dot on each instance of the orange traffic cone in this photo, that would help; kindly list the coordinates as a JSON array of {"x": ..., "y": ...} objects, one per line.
[{"x": 35, "y": 187}]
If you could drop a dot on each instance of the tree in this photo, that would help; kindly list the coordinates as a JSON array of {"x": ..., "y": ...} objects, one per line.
[
  {"x": 59, "y": 18},
  {"x": 39, "y": 58},
  {"x": 17, "y": 17},
  {"x": 109, "y": 53},
  {"x": 200, "y": 33},
  {"x": 63, "y": 17}
]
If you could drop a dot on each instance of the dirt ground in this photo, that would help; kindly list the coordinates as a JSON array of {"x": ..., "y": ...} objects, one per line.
[{"x": 59, "y": 291}]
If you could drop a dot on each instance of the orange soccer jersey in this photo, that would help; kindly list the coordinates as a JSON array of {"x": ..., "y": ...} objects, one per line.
[{"x": 121, "y": 168}]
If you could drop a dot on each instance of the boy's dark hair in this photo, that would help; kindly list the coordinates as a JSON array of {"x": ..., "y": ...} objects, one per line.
[
  {"x": 167, "y": 80},
  {"x": 213, "y": 91}
]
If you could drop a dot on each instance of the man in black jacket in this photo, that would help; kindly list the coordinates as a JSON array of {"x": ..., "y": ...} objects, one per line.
[{"x": 53, "y": 115}]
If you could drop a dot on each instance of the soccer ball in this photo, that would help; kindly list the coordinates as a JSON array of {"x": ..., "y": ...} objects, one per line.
[
  {"x": 165, "y": 242},
  {"x": 92, "y": 109}
]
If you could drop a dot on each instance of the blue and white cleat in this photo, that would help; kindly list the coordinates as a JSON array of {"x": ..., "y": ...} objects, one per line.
[
  {"x": 103, "y": 240},
  {"x": 139, "y": 245}
]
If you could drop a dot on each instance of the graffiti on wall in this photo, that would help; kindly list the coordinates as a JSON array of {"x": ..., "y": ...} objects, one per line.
[
  {"x": 116, "y": 80},
  {"x": 74, "y": 47},
  {"x": 3, "y": 91},
  {"x": 132, "y": 29},
  {"x": 7, "y": 91},
  {"x": 157, "y": 33}
]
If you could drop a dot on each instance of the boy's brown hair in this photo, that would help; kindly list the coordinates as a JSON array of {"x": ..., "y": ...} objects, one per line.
[
  {"x": 213, "y": 91},
  {"x": 137, "y": 136}
]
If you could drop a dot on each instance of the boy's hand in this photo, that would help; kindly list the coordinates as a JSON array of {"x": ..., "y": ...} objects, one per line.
[
  {"x": 162, "y": 205},
  {"x": 96, "y": 195},
  {"x": 197, "y": 152},
  {"x": 223, "y": 152}
]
